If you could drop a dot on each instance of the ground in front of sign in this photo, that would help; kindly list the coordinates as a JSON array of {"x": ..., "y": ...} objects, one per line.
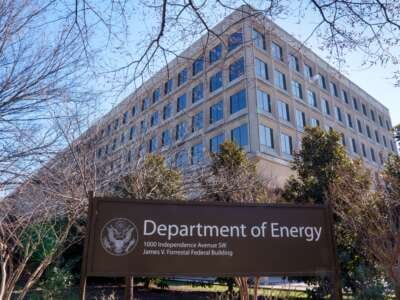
[{"x": 178, "y": 291}]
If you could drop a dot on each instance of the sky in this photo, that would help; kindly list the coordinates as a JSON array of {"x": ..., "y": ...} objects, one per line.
[{"x": 375, "y": 80}]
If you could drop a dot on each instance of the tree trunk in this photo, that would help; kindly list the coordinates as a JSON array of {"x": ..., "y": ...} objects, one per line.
[
  {"x": 255, "y": 287},
  {"x": 129, "y": 295},
  {"x": 3, "y": 279}
]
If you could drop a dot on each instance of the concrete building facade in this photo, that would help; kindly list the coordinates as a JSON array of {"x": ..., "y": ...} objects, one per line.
[{"x": 254, "y": 84}]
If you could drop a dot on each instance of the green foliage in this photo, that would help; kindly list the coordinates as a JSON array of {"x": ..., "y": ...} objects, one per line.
[
  {"x": 230, "y": 158},
  {"x": 321, "y": 161},
  {"x": 234, "y": 177},
  {"x": 56, "y": 282},
  {"x": 316, "y": 166},
  {"x": 152, "y": 180}
]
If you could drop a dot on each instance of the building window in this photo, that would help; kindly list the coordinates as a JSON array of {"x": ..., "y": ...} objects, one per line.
[
  {"x": 167, "y": 111},
  {"x": 156, "y": 95},
  {"x": 345, "y": 97},
  {"x": 259, "y": 39},
  {"x": 283, "y": 111},
  {"x": 182, "y": 77},
  {"x": 355, "y": 104},
  {"x": 216, "y": 81},
  {"x": 132, "y": 133},
  {"x": 114, "y": 144},
  {"x": 388, "y": 126},
  {"x": 380, "y": 120},
  {"x": 216, "y": 112},
  {"x": 235, "y": 40},
  {"x": 197, "y": 121},
  {"x": 294, "y": 63},
  {"x": 154, "y": 119},
  {"x": 264, "y": 101},
  {"x": 354, "y": 145},
  {"x": 215, "y": 54},
  {"x": 334, "y": 90},
  {"x": 198, "y": 65},
  {"x": 384, "y": 141},
  {"x": 181, "y": 103},
  {"x": 153, "y": 144},
  {"x": 338, "y": 114},
  {"x": 125, "y": 117},
  {"x": 297, "y": 89},
  {"x": 368, "y": 131},
  {"x": 349, "y": 121},
  {"x": 168, "y": 85},
  {"x": 116, "y": 124},
  {"x": 360, "y": 129},
  {"x": 286, "y": 144},
  {"x": 321, "y": 81},
  {"x": 266, "y": 138},
  {"x": 277, "y": 51},
  {"x": 314, "y": 122},
  {"x": 133, "y": 111},
  {"x": 308, "y": 72},
  {"x": 239, "y": 135},
  {"x": 143, "y": 126},
  {"x": 238, "y": 101},
  {"x": 166, "y": 138},
  {"x": 261, "y": 69},
  {"x": 372, "y": 115},
  {"x": 181, "y": 159},
  {"x": 236, "y": 69},
  {"x": 312, "y": 98},
  {"x": 180, "y": 130},
  {"x": 325, "y": 107},
  {"x": 280, "y": 79},
  {"x": 300, "y": 119},
  {"x": 377, "y": 139},
  {"x": 343, "y": 140},
  {"x": 145, "y": 104},
  {"x": 373, "y": 155},
  {"x": 364, "y": 109},
  {"x": 197, "y": 154},
  {"x": 364, "y": 151},
  {"x": 215, "y": 143},
  {"x": 197, "y": 93}
]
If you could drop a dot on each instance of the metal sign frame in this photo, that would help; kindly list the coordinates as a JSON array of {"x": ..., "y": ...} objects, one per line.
[{"x": 91, "y": 223}]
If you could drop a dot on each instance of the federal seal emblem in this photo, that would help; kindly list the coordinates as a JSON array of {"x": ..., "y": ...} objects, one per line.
[{"x": 119, "y": 236}]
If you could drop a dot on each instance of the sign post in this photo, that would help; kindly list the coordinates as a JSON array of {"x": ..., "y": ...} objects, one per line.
[{"x": 128, "y": 238}]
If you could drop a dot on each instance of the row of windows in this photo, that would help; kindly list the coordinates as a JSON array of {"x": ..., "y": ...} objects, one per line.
[
  {"x": 216, "y": 113},
  {"x": 264, "y": 104},
  {"x": 236, "y": 69},
  {"x": 267, "y": 144},
  {"x": 239, "y": 135},
  {"x": 308, "y": 72}
]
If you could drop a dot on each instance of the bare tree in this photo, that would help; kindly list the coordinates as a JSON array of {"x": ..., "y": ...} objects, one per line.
[
  {"x": 41, "y": 69},
  {"x": 341, "y": 27}
]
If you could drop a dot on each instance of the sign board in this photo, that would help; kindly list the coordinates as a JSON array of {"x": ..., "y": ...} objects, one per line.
[{"x": 156, "y": 238}]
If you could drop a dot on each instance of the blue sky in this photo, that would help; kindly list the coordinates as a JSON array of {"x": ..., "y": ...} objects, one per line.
[{"x": 375, "y": 80}]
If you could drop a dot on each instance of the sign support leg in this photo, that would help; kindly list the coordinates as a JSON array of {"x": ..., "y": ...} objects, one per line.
[
  {"x": 129, "y": 282},
  {"x": 82, "y": 291}
]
